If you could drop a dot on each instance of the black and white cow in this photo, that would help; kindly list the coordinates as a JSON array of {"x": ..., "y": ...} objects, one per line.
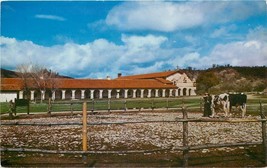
[
  {"x": 224, "y": 102},
  {"x": 220, "y": 103}
]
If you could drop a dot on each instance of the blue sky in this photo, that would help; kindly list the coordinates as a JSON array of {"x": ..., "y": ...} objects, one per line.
[{"x": 95, "y": 39}]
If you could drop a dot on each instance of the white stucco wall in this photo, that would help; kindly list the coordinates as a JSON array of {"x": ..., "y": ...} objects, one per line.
[
  {"x": 6, "y": 97},
  {"x": 183, "y": 82}
]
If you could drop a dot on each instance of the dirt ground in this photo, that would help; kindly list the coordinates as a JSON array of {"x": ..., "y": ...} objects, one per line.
[
  {"x": 237, "y": 157},
  {"x": 144, "y": 136}
]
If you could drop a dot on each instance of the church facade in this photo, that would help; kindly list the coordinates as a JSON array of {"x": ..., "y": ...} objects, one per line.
[{"x": 153, "y": 85}]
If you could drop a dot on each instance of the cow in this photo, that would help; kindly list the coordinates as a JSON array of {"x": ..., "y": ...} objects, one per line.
[
  {"x": 224, "y": 102},
  {"x": 220, "y": 103},
  {"x": 239, "y": 101}
]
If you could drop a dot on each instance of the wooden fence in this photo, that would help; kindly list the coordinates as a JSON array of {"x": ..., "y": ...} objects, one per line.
[
  {"x": 185, "y": 148},
  {"x": 120, "y": 105}
]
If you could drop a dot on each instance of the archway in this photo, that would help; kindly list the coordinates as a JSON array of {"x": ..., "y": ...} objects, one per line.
[
  {"x": 138, "y": 93},
  {"x": 105, "y": 94},
  {"x": 189, "y": 92},
  {"x": 184, "y": 91},
  {"x": 96, "y": 94},
  {"x": 130, "y": 93},
  {"x": 179, "y": 92}
]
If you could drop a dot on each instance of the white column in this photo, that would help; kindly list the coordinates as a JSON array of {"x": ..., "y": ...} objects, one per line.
[
  {"x": 100, "y": 94},
  {"x": 125, "y": 93},
  {"x": 176, "y": 92},
  {"x": 118, "y": 93},
  {"x": 149, "y": 93},
  {"x": 142, "y": 93},
  {"x": 134, "y": 93},
  {"x": 82, "y": 94},
  {"x": 32, "y": 94},
  {"x": 63, "y": 94},
  {"x": 170, "y": 94},
  {"x": 193, "y": 92},
  {"x": 73, "y": 94},
  {"x": 53, "y": 95},
  {"x": 109, "y": 93},
  {"x": 42, "y": 94},
  {"x": 21, "y": 94},
  {"x": 163, "y": 92},
  {"x": 157, "y": 93},
  {"x": 92, "y": 94}
]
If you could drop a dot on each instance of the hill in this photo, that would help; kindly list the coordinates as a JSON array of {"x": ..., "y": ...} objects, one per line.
[
  {"x": 8, "y": 74},
  {"x": 12, "y": 74},
  {"x": 231, "y": 79}
]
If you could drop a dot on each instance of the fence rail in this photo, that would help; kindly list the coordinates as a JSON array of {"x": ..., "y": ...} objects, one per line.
[
  {"x": 185, "y": 148},
  {"x": 123, "y": 105}
]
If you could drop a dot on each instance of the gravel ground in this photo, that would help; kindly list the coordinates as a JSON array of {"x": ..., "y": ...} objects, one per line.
[{"x": 143, "y": 136}]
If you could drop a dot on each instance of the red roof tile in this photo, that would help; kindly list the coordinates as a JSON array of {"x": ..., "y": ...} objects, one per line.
[
  {"x": 16, "y": 84},
  {"x": 11, "y": 84},
  {"x": 151, "y": 75},
  {"x": 163, "y": 81}
]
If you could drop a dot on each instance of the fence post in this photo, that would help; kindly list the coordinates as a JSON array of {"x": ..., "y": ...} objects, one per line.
[
  {"x": 167, "y": 103},
  {"x": 201, "y": 105},
  {"x": 49, "y": 106},
  {"x": 152, "y": 106},
  {"x": 84, "y": 131},
  {"x": 84, "y": 126},
  {"x": 185, "y": 138},
  {"x": 71, "y": 108},
  {"x": 15, "y": 107},
  {"x": 125, "y": 105},
  {"x": 109, "y": 105},
  {"x": 28, "y": 107},
  {"x": 93, "y": 105},
  {"x": 264, "y": 136}
]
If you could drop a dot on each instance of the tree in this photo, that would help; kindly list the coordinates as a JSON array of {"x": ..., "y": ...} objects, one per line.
[
  {"x": 24, "y": 73},
  {"x": 39, "y": 78},
  {"x": 44, "y": 80},
  {"x": 205, "y": 81}
]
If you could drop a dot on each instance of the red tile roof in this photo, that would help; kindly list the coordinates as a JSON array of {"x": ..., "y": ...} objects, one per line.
[
  {"x": 11, "y": 84},
  {"x": 163, "y": 81},
  {"x": 151, "y": 75},
  {"x": 16, "y": 84}
]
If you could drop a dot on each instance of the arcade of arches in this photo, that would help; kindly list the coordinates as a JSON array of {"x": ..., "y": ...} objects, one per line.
[{"x": 72, "y": 94}]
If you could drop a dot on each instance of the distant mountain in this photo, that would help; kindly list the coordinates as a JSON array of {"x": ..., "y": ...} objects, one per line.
[
  {"x": 8, "y": 74},
  {"x": 12, "y": 74}
]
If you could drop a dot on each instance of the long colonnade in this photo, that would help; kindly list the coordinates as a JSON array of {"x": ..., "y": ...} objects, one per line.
[{"x": 72, "y": 94}]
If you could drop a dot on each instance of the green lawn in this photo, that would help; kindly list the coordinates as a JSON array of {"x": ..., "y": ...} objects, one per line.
[{"x": 192, "y": 103}]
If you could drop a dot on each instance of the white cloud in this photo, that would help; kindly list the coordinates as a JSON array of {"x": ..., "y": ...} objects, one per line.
[
  {"x": 50, "y": 17},
  {"x": 99, "y": 57},
  {"x": 252, "y": 51},
  {"x": 171, "y": 16},
  {"x": 161, "y": 16},
  {"x": 137, "y": 54},
  {"x": 245, "y": 53},
  {"x": 224, "y": 31}
]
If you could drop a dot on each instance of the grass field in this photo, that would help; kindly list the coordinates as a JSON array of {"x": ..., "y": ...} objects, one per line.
[{"x": 192, "y": 103}]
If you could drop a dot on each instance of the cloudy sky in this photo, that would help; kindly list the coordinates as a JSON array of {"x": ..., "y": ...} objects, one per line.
[{"x": 94, "y": 39}]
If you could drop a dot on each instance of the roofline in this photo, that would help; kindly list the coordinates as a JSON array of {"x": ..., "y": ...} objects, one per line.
[{"x": 141, "y": 76}]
